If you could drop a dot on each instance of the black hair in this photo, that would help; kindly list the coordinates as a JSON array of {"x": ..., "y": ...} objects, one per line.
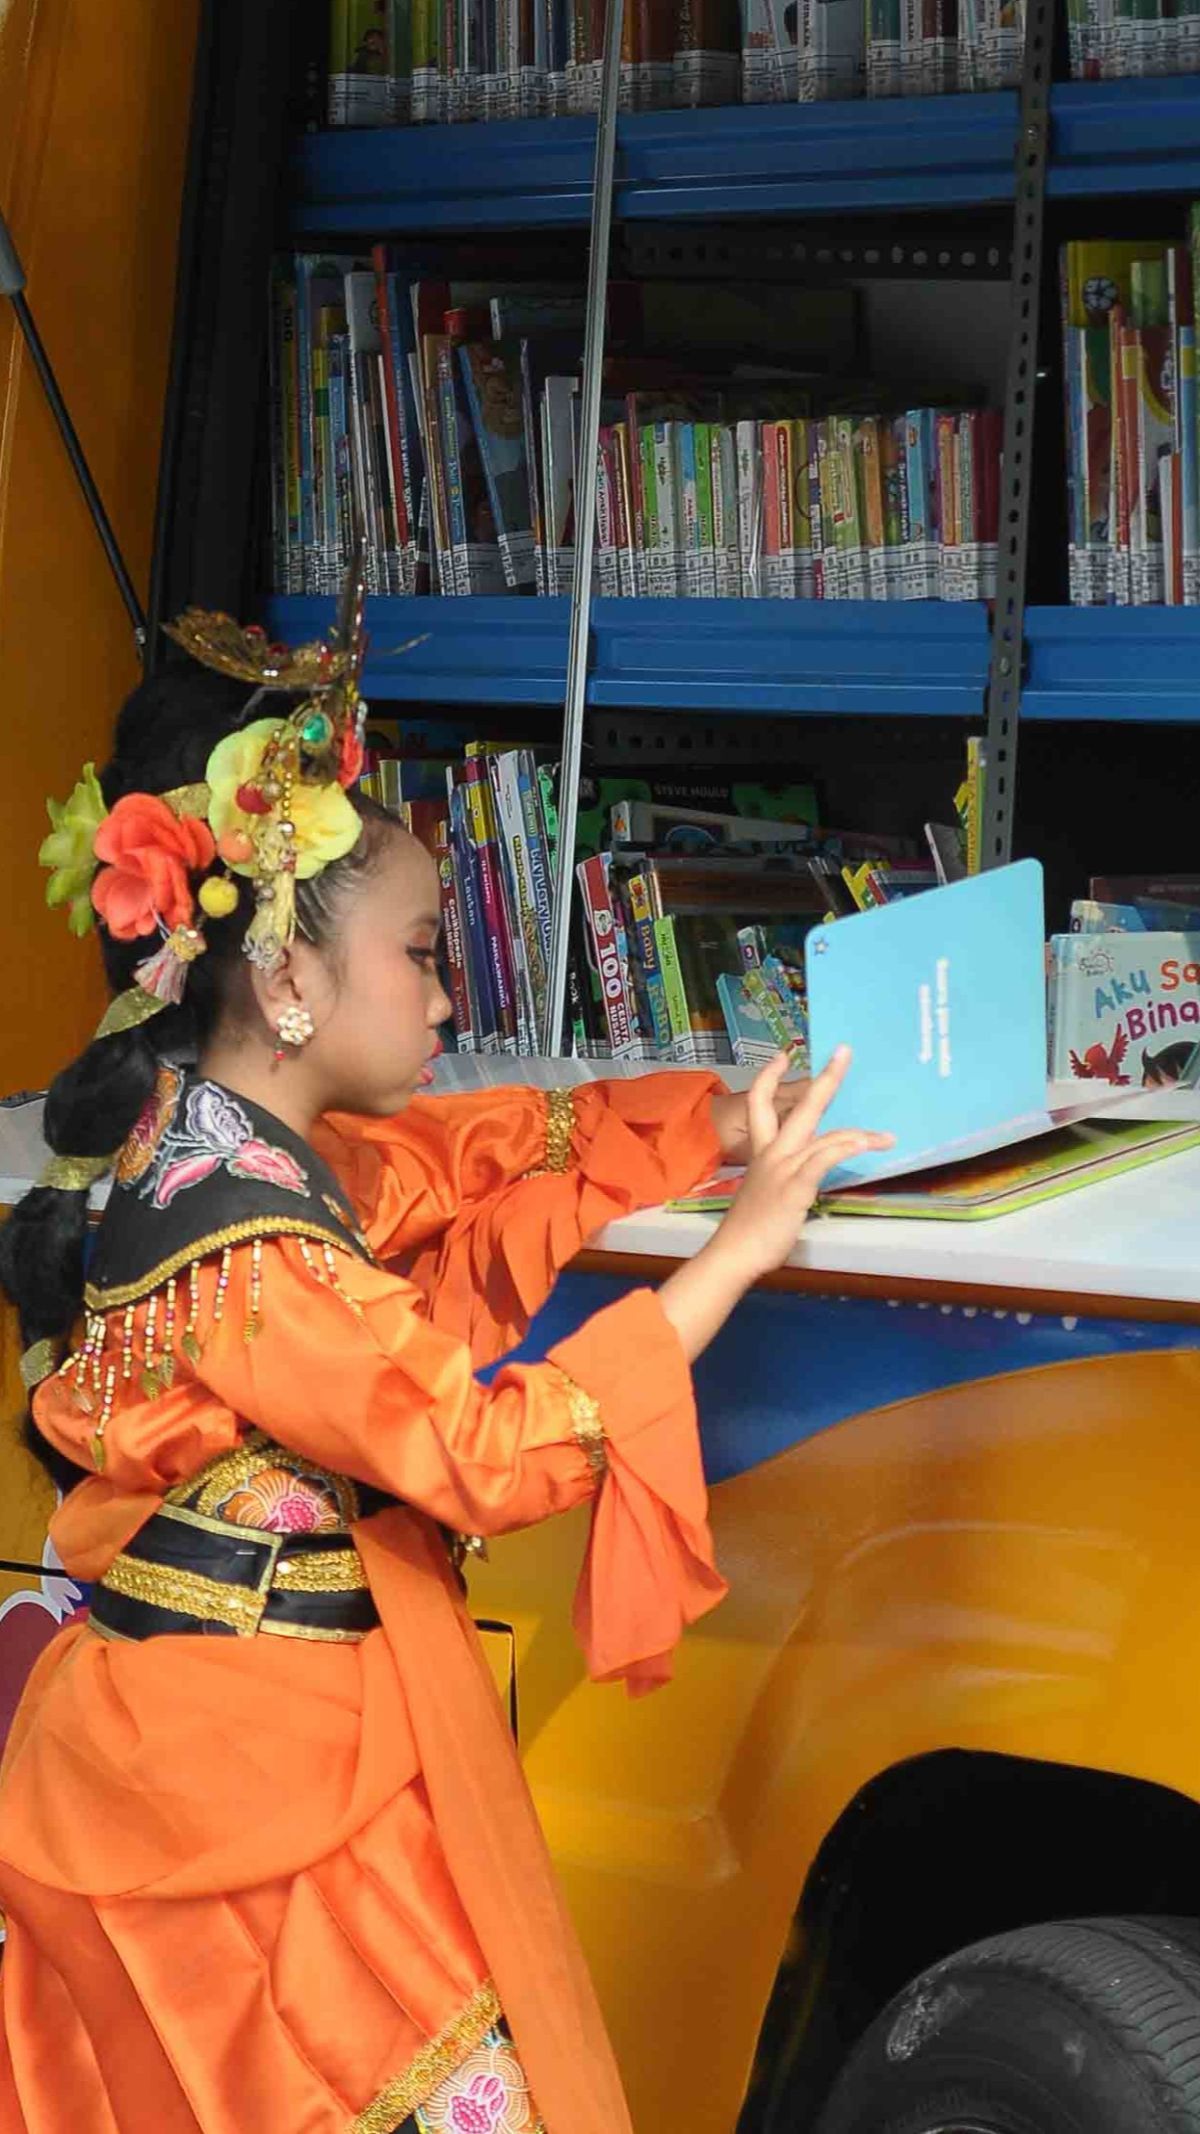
[{"x": 165, "y": 733}]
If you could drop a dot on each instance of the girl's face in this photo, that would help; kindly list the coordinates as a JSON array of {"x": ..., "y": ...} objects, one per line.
[{"x": 374, "y": 994}]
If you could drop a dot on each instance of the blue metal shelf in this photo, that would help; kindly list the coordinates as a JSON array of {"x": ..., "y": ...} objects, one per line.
[
  {"x": 1129, "y": 664},
  {"x": 472, "y": 651},
  {"x": 1110, "y": 138},
  {"x": 753, "y": 656},
  {"x": 782, "y": 656},
  {"x": 793, "y": 159},
  {"x": 762, "y": 160}
]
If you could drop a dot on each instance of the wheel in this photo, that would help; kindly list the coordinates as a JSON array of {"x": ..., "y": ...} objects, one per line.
[{"x": 1078, "y": 2027}]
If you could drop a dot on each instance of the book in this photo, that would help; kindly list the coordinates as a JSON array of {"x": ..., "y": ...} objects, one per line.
[
  {"x": 942, "y": 1000},
  {"x": 1125, "y": 1008},
  {"x": 1065, "y": 1159},
  {"x": 360, "y": 64},
  {"x": 492, "y": 377}
]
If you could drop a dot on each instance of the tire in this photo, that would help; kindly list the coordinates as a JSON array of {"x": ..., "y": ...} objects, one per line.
[{"x": 1078, "y": 2027}]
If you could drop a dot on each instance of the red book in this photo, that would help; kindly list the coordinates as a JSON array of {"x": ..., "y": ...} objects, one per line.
[{"x": 452, "y": 934}]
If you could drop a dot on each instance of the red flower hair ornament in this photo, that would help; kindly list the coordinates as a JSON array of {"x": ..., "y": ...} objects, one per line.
[{"x": 147, "y": 853}]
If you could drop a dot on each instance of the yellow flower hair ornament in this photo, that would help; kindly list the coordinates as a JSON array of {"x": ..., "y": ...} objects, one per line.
[{"x": 276, "y": 820}]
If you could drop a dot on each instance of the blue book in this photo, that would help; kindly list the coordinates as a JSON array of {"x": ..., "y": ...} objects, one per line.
[
  {"x": 475, "y": 941},
  {"x": 942, "y": 999}
]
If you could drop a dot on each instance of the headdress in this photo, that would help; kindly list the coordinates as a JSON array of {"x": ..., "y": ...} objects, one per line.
[{"x": 272, "y": 808}]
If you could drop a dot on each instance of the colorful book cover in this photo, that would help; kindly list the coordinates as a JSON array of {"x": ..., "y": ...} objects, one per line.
[
  {"x": 1062, "y": 1160},
  {"x": 646, "y": 968},
  {"x": 452, "y": 937},
  {"x": 476, "y": 960},
  {"x": 481, "y": 828},
  {"x": 611, "y": 972},
  {"x": 360, "y": 63},
  {"x": 491, "y": 374},
  {"x": 727, "y": 553},
  {"x": 1125, "y": 1008},
  {"x": 942, "y": 1001},
  {"x": 529, "y": 957}
]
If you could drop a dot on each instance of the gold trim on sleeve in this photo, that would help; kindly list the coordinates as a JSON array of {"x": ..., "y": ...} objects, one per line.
[
  {"x": 560, "y": 1126},
  {"x": 586, "y": 1427},
  {"x": 560, "y": 1129},
  {"x": 435, "y": 2061}
]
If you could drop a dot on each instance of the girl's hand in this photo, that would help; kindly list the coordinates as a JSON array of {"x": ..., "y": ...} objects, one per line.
[
  {"x": 731, "y": 1111},
  {"x": 788, "y": 1162}
]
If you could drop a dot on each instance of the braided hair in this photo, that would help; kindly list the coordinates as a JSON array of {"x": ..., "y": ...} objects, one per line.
[{"x": 165, "y": 734}]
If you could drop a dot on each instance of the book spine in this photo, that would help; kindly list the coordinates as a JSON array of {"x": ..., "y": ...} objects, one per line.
[
  {"x": 476, "y": 959},
  {"x": 772, "y": 531},
  {"x": 528, "y": 969},
  {"x": 645, "y": 948},
  {"x": 727, "y": 552},
  {"x": 623, "y": 513},
  {"x": 498, "y": 943},
  {"x": 749, "y": 481},
  {"x": 596, "y": 900},
  {"x": 537, "y": 848},
  {"x": 666, "y": 475},
  {"x": 1188, "y": 469},
  {"x": 869, "y": 457},
  {"x": 800, "y": 490},
  {"x": 452, "y": 935},
  {"x": 706, "y": 533},
  {"x": 687, "y": 510},
  {"x": 674, "y": 993},
  {"x": 637, "y": 491},
  {"x": 608, "y": 584}
]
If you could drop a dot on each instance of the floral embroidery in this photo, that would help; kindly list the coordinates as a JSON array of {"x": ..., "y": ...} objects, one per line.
[
  {"x": 141, "y": 1147},
  {"x": 488, "y": 2094},
  {"x": 215, "y": 1132},
  {"x": 277, "y": 1502}
]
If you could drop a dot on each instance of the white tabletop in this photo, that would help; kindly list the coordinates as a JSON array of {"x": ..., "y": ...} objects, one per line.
[{"x": 1136, "y": 1237}]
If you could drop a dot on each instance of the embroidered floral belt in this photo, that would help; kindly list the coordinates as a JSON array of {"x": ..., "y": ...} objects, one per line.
[{"x": 257, "y": 1543}]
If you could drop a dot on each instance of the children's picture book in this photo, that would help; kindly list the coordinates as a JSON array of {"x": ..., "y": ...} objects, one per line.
[
  {"x": 942, "y": 1001},
  {"x": 1022, "y": 1176},
  {"x": 1125, "y": 1008}
]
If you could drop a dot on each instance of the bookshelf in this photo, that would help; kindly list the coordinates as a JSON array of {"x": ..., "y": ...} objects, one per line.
[
  {"x": 921, "y": 188},
  {"x": 903, "y": 154}
]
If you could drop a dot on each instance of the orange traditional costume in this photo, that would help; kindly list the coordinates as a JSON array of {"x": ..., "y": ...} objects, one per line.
[{"x": 284, "y": 1874}]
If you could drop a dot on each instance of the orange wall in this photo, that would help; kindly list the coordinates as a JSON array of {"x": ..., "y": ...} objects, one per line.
[{"x": 94, "y": 100}]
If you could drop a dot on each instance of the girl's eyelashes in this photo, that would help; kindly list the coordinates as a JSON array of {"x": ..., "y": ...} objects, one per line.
[{"x": 424, "y": 958}]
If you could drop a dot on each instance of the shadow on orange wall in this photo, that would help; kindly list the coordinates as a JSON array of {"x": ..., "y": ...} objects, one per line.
[{"x": 94, "y": 105}]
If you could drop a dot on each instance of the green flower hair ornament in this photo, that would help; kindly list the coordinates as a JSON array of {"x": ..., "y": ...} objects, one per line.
[{"x": 68, "y": 849}]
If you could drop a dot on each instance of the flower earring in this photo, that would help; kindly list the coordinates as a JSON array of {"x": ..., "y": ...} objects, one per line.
[{"x": 295, "y": 1027}]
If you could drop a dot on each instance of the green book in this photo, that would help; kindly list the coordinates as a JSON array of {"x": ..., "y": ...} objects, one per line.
[{"x": 1019, "y": 1177}]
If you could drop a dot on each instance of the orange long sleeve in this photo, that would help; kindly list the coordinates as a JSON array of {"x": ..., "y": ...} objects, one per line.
[
  {"x": 446, "y": 1188},
  {"x": 391, "y": 1399}
]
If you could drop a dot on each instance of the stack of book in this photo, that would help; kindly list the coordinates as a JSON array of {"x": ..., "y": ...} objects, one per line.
[
  {"x": 431, "y": 62},
  {"x": 444, "y": 420},
  {"x": 1129, "y": 358},
  {"x": 694, "y": 896},
  {"x": 443, "y": 62},
  {"x": 1133, "y": 37}
]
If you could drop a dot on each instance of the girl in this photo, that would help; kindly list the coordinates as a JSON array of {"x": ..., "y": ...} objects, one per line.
[{"x": 266, "y": 1854}]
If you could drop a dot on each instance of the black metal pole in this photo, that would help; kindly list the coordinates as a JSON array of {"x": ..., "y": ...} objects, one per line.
[{"x": 12, "y": 285}]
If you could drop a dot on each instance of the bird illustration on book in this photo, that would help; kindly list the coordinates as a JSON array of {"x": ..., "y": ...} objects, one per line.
[{"x": 1100, "y": 1063}]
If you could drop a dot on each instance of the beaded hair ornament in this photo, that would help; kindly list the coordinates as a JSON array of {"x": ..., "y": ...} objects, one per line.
[{"x": 272, "y": 808}]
